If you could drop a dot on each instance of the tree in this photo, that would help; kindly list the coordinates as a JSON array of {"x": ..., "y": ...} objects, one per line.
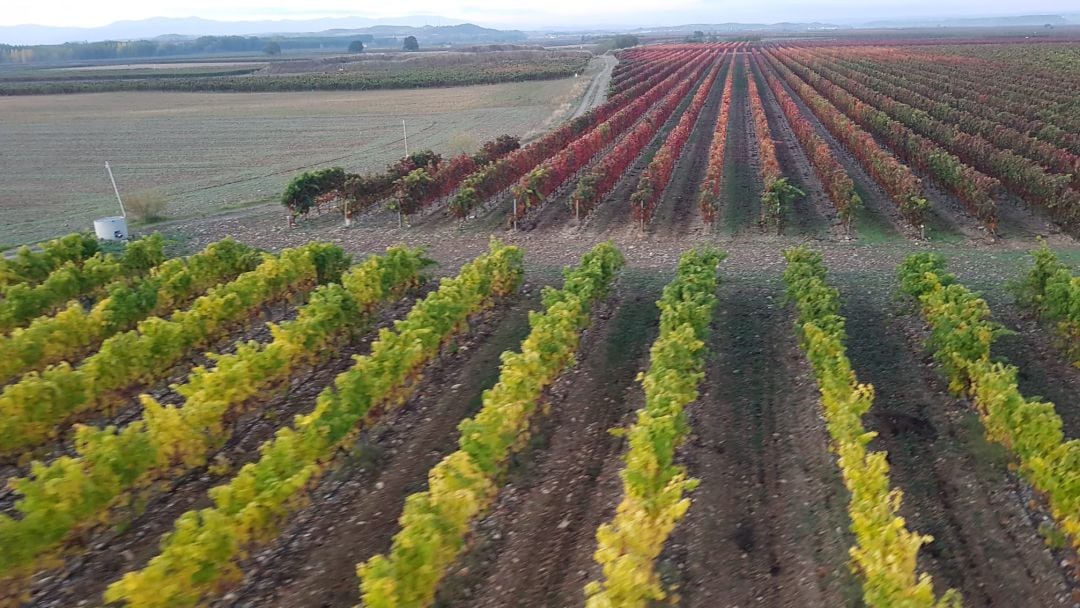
[
  {"x": 410, "y": 44},
  {"x": 272, "y": 48},
  {"x": 356, "y": 46}
]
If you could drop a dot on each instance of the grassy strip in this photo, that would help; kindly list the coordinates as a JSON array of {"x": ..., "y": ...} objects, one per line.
[
  {"x": 435, "y": 523},
  {"x": 200, "y": 556},
  {"x": 886, "y": 552},
  {"x": 961, "y": 336},
  {"x": 653, "y": 485}
]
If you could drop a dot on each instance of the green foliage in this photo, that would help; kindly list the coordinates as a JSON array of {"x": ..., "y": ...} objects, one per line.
[
  {"x": 435, "y": 523},
  {"x": 22, "y": 303},
  {"x": 272, "y": 48},
  {"x": 654, "y": 486},
  {"x": 33, "y": 409},
  {"x": 170, "y": 440},
  {"x": 412, "y": 188},
  {"x": 301, "y": 192},
  {"x": 356, "y": 46},
  {"x": 1051, "y": 290},
  {"x": 202, "y": 552},
  {"x": 961, "y": 337},
  {"x": 29, "y": 267},
  {"x": 886, "y": 552},
  {"x": 780, "y": 194},
  {"x": 74, "y": 331},
  {"x": 410, "y": 44}
]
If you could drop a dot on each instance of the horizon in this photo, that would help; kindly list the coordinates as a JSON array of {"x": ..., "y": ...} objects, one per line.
[{"x": 559, "y": 14}]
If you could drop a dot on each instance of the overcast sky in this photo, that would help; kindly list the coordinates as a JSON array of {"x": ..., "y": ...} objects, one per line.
[{"x": 521, "y": 14}]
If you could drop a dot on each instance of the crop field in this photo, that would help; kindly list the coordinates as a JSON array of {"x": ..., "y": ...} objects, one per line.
[
  {"x": 348, "y": 73},
  {"x": 210, "y": 152},
  {"x": 775, "y": 324}
]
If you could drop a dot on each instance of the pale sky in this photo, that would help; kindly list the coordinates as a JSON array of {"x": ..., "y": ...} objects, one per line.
[{"x": 520, "y": 14}]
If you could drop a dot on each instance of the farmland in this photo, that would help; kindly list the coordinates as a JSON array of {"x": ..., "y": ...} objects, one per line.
[
  {"x": 208, "y": 153},
  {"x": 826, "y": 293}
]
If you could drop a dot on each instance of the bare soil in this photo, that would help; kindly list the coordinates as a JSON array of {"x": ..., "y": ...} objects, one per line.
[
  {"x": 535, "y": 546},
  {"x": 814, "y": 214},
  {"x": 768, "y": 525},
  {"x": 353, "y": 512}
]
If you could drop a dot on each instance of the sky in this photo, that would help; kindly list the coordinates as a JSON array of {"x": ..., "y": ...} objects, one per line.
[{"x": 520, "y": 14}]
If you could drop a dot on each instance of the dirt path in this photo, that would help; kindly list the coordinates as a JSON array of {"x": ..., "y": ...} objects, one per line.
[
  {"x": 957, "y": 487},
  {"x": 535, "y": 546},
  {"x": 767, "y": 526},
  {"x": 740, "y": 201},
  {"x": 354, "y": 510},
  {"x": 597, "y": 91}
]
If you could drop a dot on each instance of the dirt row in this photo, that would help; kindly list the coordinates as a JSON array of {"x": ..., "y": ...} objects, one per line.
[
  {"x": 957, "y": 487},
  {"x": 812, "y": 215}
]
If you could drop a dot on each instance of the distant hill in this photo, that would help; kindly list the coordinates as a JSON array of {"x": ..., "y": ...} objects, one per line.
[
  {"x": 194, "y": 26},
  {"x": 731, "y": 28},
  {"x": 1017, "y": 21}
]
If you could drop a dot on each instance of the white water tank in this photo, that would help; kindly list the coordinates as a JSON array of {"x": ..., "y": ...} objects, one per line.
[{"x": 111, "y": 228}]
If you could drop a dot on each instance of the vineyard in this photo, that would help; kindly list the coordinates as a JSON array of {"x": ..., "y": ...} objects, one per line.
[{"x": 771, "y": 324}]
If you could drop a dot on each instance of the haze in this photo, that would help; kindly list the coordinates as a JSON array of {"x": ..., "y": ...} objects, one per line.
[{"x": 525, "y": 15}]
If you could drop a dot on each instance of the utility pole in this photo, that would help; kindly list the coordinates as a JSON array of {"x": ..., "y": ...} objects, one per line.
[
  {"x": 406, "y": 135},
  {"x": 117, "y": 191}
]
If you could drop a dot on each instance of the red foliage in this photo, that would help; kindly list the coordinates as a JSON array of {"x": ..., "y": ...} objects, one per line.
[
  {"x": 714, "y": 170},
  {"x": 654, "y": 180}
]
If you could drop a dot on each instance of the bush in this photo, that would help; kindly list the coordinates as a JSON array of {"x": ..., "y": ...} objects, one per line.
[{"x": 146, "y": 206}]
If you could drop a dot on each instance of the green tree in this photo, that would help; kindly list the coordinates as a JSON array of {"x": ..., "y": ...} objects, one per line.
[
  {"x": 410, "y": 44},
  {"x": 272, "y": 48},
  {"x": 356, "y": 46}
]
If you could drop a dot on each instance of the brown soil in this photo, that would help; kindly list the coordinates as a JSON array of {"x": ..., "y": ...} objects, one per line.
[
  {"x": 677, "y": 213},
  {"x": 813, "y": 214},
  {"x": 768, "y": 524},
  {"x": 957, "y": 487},
  {"x": 740, "y": 205},
  {"x": 535, "y": 547},
  {"x": 354, "y": 510}
]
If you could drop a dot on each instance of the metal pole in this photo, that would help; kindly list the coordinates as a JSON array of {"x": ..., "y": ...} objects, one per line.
[
  {"x": 117, "y": 191},
  {"x": 406, "y": 134}
]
